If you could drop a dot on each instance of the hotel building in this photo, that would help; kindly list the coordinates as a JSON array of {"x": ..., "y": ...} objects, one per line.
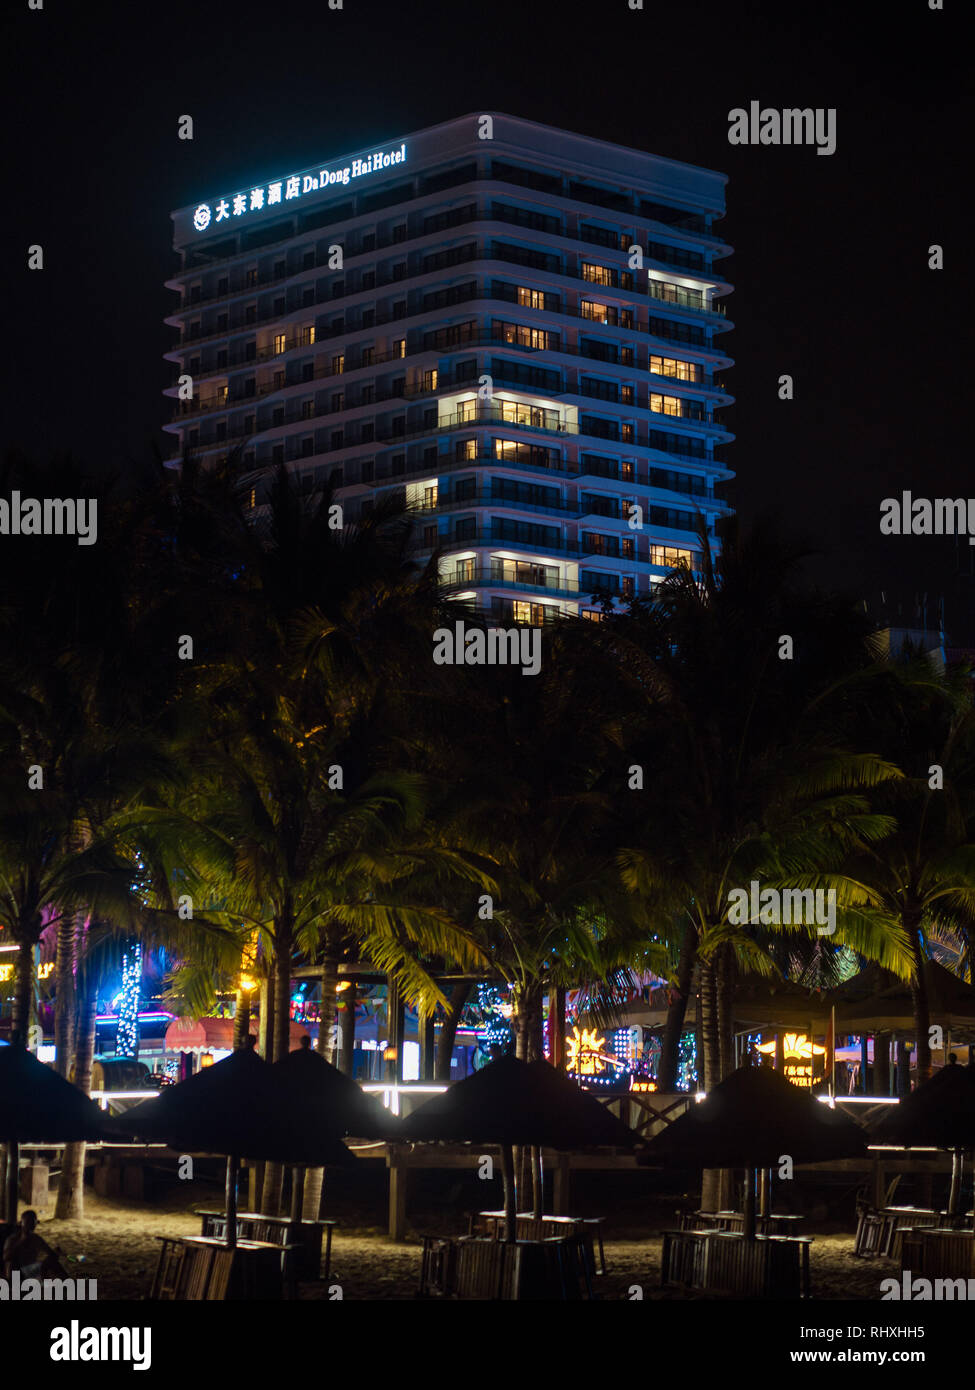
[{"x": 512, "y": 327}]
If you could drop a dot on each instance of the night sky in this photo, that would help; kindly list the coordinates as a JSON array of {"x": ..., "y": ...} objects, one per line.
[{"x": 830, "y": 265}]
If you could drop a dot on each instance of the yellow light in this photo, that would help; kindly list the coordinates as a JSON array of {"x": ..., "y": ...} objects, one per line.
[
  {"x": 584, "y": 1052},
  {"x": 803, "y": 1052},
  {"x": 795, "y": 1045},
  {"x": 6, "y": 972},
  {"x": 247, "y": 983},
  {"x": 43, "y": 971},
  {"x": 342, "y": 984}
]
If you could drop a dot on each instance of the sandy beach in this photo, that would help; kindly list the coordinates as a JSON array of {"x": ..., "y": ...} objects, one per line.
[{"x": 116, "y": 1243}]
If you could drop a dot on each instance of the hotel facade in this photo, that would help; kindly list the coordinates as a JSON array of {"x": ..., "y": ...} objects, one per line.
[{"x": 513, "y": 328}]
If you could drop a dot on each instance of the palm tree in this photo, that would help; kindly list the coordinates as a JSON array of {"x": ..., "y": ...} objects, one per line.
[
  {"x": 920, "y": 880},
  {"x": 747, "y": 762}
]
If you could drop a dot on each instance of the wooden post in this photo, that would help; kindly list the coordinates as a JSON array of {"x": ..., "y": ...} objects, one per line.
[
  {"x": 297, "y": 1192},
  {"x": 397, "y": 1193},
  {"x": 233, "y": 1168},
  {"x": 864, "y": 1063},
  {"x": 560, "y": 1185},
  {"x": 428, "y": 1053},
  {"x": 881, "y": 1064},
  {"x": 748, "y": 1223},
  {"x": 903, "y": 1068},
  {"x": 510, "y": 1195},
  {"x": 557, "y": 1019},
  {"x": 395, "y": 1027}
]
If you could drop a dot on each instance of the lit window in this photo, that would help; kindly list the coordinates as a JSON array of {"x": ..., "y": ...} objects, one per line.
[
  {"x": 672, "y": 366},
  {"x": 430, "y": 380},
  {"x": 665, "y": 405},
  {"x": 399, "y": 347},
  {"x": 279, "y": 343},
  {"x": 596, "y": 274},
  {"x": 671, "y": 556},
  {"x": 531, "y": 299},
  {"x": 338, "y": 364}
]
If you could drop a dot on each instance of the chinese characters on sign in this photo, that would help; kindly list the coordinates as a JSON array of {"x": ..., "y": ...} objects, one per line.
[
  {"x": 284, "y": 190},
  {"x": 799, "y": 1055}
]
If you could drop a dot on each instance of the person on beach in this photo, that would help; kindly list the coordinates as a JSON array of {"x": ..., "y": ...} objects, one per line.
[{"x": 26, "y": 1251}]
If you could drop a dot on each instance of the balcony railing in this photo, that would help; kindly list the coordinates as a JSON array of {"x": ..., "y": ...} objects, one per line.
[
  {"x": 243, "y": 287},
  {"x": 477, "y": 253}
]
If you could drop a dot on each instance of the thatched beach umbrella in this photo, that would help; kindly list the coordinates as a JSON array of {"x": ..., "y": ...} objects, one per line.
[
  {"x": 235, "y": 1108},
  {"x": 329, "y": 1101},
  {"x": 750, "y": 1120},
  {"x": 939, "y": 1114},
  {"x": 38, "y": 1105},
  {"x": 510, "y": 1102},
  {"x": 331, "y": 1105}
]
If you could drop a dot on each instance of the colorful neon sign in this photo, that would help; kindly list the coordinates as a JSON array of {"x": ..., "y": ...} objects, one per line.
[
  {"x": 295, "y": 186},
  {"x": 799, "y": 1054}
]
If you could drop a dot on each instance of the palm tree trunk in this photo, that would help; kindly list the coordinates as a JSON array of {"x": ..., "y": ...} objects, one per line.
[
  {"x": 71, "y": 1187},
  {"x": 677, "y": 1012},
  {"x": 725, "y": 973},
  {"x": 327, "y": 1039},
  {"x": 919, "y": 995},
  {"x": 70, "y": 928},
  {"x": 460, "y": 992},
  {"x": 283, "y": 945},
  {"x": 328, "y": 1021},
  {"x": 710, "y": 1037},
  {"x": 27, "y": 937},
  {"x": 725, "y": 998},
  {"x": 242, "y": 1018},
  {"x": 711, "y": 1177}
]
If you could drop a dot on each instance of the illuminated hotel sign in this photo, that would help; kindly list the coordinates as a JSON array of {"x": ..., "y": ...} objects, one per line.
[
  {"x": 799, "y": 1055},
  {"x": 286, "y": 190}
]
